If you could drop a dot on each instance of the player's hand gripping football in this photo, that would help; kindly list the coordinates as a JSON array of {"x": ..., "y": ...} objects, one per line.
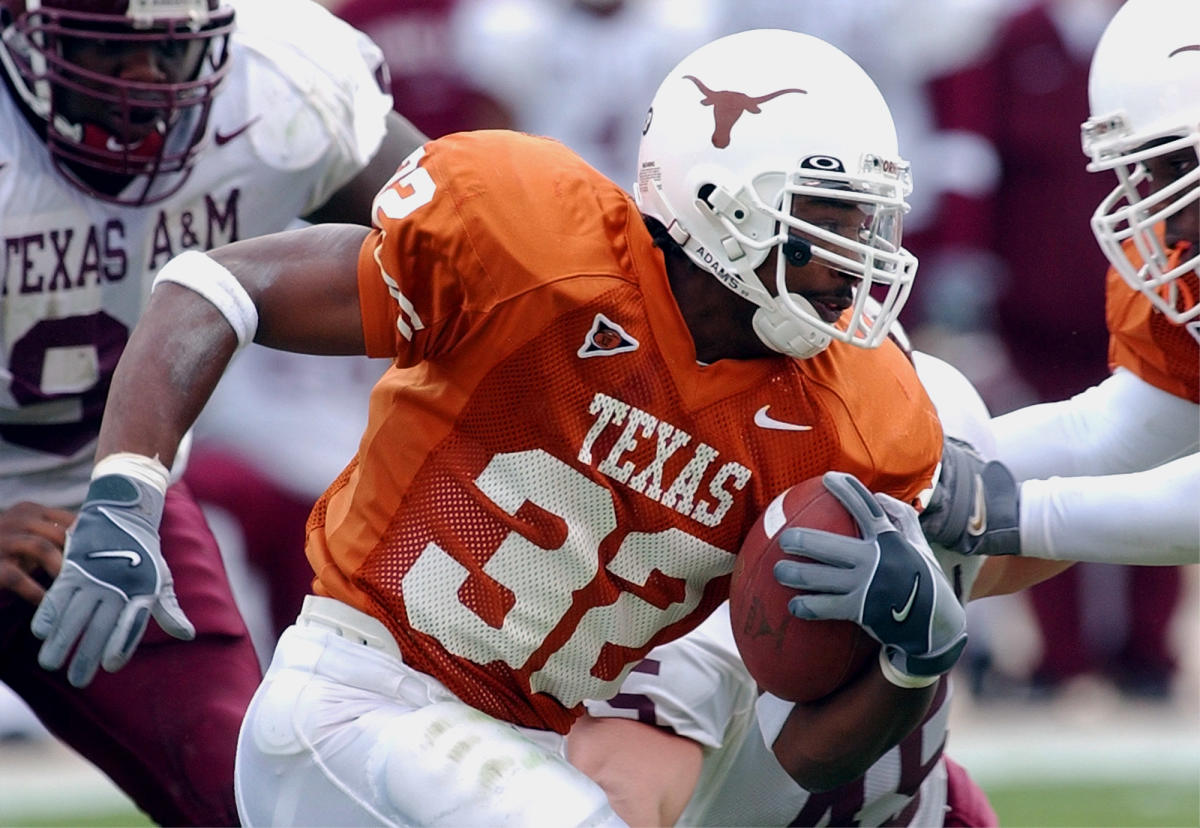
[
  {"x": 887, "y": 582},
  {"x": 974, "y": 508},
  {"x": 113, "y": 578}
]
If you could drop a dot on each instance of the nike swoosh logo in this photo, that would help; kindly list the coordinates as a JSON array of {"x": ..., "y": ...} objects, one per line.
[
  {"x": 223, "y": 138},
  {"x": 134, "y": 558},
  {"x": 763, "y": 420},
  {"x": 145, "y": 537},
  {"x": 900, "y": 616},
  {"x": 978, "y": 521}
]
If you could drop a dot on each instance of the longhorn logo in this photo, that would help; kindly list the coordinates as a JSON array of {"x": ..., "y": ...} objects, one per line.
[{"x": 729, "y": 106}]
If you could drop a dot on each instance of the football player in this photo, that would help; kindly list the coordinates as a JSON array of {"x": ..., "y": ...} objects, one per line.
[
  {"x": 129, "y": 132},
  {"x": 592, "y": 400},
  {"x": 1126, "y": 448}
]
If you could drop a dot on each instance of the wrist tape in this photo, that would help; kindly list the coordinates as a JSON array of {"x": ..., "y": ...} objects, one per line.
[
  {"x": 900, "y": 679},
  {"x": 148, "y": 470}
]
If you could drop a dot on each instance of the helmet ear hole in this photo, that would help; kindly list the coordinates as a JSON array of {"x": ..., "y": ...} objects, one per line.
[{"x": 798, "y": 252}]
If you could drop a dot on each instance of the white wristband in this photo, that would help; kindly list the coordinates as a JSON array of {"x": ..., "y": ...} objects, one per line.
[
  {"x": 148, "y": 470},
  {"x": 901, "y": 679},
  {"x": 212, "y": 280}
]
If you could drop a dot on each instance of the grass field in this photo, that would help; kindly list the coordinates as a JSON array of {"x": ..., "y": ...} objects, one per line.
[
  {"x": 1097, "y": 805},
  {"x": 1101, "y": 805}
]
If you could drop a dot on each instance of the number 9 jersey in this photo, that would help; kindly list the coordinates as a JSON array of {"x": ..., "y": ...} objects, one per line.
[
  {"x": 286, "y": 131},
  {"x": 549, "y": 483}
]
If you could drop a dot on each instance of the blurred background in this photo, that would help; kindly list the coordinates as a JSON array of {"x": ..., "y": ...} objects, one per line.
[{"x": 1078, "y": 702}]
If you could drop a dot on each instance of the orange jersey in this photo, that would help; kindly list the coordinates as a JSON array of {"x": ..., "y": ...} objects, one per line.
[
  {"x": 1146, "y": 342},
  {"x": 549, "y": 483}
]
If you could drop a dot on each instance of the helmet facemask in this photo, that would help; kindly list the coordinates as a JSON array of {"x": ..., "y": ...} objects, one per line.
[
  {"x": 861, "y": 241},
  {"x": 103, "y": 130},
  {"x": 1144, "y": 99},
  {"x": 1129, "y": 224},
  {"x": 864, "y": 244}
]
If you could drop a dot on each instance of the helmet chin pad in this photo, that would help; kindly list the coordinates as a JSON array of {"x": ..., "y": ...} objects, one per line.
[{"x": 789, "y": 334}]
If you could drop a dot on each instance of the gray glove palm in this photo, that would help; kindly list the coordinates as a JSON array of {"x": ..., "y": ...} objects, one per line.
[
  {"x": 887, "y": 581},
  {"x": 113, "y": 578}
]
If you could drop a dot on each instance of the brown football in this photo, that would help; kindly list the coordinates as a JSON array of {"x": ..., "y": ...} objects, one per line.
[{"x": 789, "y": 657}]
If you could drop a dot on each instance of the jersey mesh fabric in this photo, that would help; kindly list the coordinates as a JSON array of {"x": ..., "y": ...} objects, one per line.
[
  {"x": 517, "y": 516},
  {"x": 1142, "y": 339}
]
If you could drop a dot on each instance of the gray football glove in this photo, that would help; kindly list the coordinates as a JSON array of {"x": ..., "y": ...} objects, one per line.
[
  {"x": 887, "y": 582},
  {"x": 113, "y": 578},
  {"x": 975, "y": 505}
]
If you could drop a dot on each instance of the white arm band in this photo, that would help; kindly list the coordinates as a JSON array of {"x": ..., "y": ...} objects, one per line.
[
  {"x": 212, "y": 280},
  {"x": 1150, "y": 517}
]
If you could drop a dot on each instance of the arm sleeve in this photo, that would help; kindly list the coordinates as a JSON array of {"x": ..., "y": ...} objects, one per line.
[
  {"x": 1149, "y": 517},
  {"x": 1124, "y": 424}
]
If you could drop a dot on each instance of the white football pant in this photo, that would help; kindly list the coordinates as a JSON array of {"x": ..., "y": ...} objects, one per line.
[{"x": 342, "y": 732}]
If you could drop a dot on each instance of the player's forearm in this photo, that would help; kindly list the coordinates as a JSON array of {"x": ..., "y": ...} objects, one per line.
[
  {"x": 833, "y": 741},
  {"x": 177, "y": 352},
  {"x": 1006, "y": 574},
  {"x": 647, "y": 773},
  {"x": 1150, "y": 517}
]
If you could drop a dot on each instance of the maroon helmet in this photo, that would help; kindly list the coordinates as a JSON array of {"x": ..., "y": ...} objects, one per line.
[{"x": 118, "y": 88}]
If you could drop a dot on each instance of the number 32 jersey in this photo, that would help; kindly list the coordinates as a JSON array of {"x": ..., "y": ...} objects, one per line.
[{"x": 550, "y": 484}]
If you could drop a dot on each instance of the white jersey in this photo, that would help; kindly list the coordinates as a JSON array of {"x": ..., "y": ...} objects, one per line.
[
  {"x": 697, "y": 687},
  {"x": 300, "y": 113}
]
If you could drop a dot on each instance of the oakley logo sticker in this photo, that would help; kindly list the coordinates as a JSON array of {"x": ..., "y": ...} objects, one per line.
[{"x": 729, "y": 106}]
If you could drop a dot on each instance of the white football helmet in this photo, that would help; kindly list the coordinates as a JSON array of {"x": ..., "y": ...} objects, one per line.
[
  {"x": 740, "y": 128},
  {"x": 1144, "y": 91}
]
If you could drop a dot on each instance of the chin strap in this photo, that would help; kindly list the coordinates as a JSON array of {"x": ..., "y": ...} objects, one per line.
[{"x": 785, "y": 333}]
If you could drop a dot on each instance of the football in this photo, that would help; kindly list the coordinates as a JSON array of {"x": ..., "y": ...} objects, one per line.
[{"x": 789, "y": 657}]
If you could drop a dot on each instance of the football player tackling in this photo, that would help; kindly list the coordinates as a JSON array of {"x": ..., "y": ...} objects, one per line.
[{"x": 1127, "y": 448}]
